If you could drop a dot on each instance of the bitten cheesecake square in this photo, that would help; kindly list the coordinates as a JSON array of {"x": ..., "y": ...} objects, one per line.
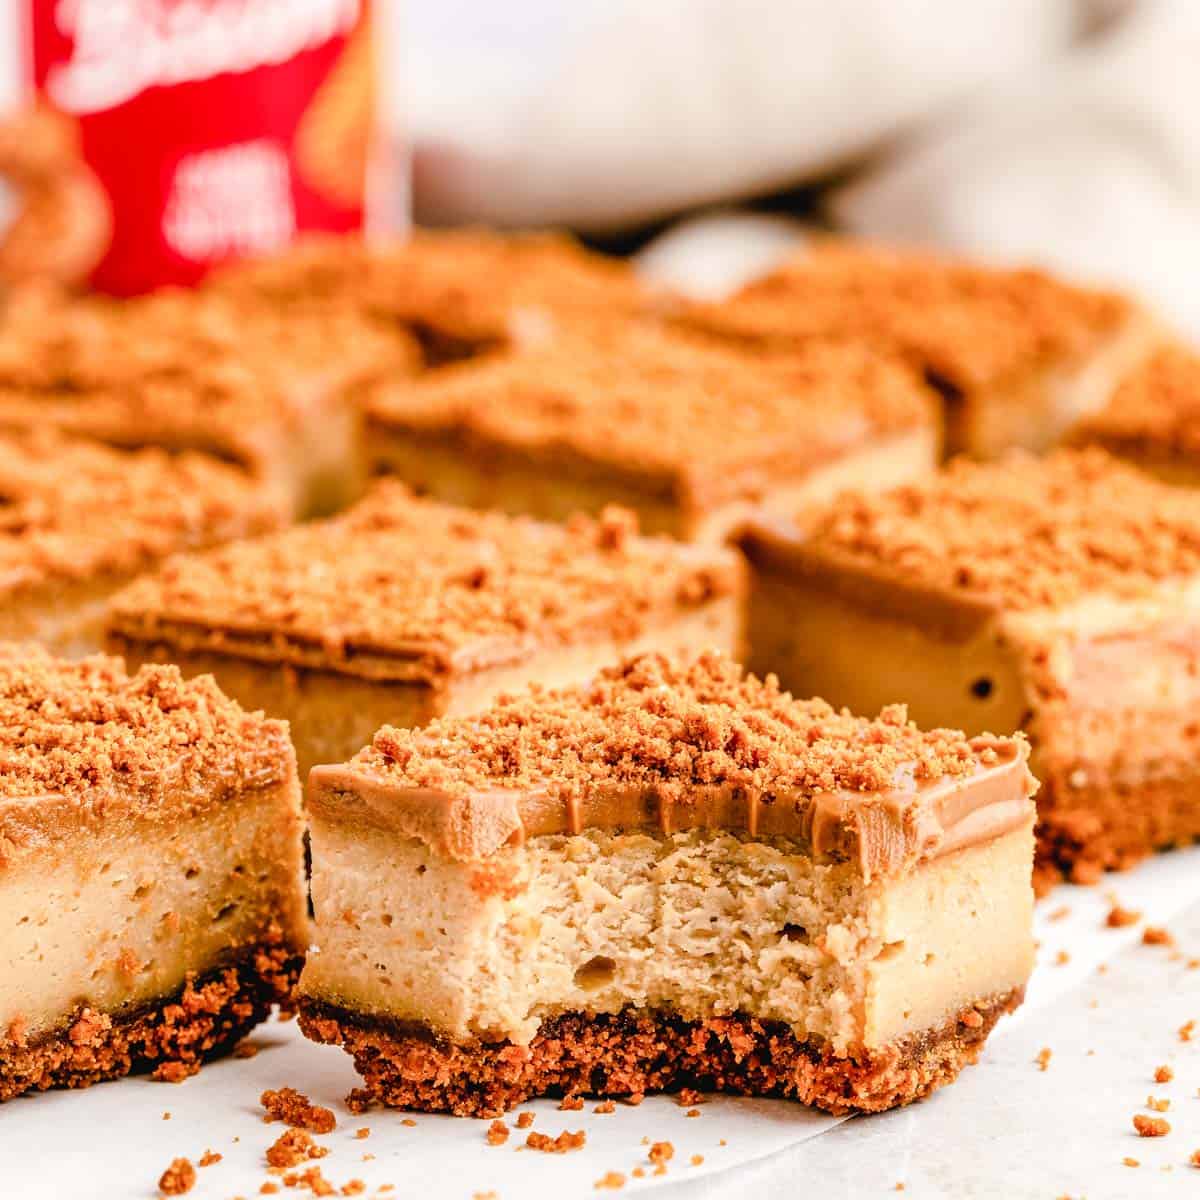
[
  {"x": 460, "y": 293},
  {"x": 274, "y": 395},
  {"x": 691, "y": 438},
  {"x": 404, "y": 609},
  {"x": 673, "y": 876},
  {"x": 1153, "y": 418},
  {"x": 78, "y": 520},
  {"x": 1056, "y": 596},
  {"x": 1018, "y": 356},
  {"x": 151, "y": 907}
]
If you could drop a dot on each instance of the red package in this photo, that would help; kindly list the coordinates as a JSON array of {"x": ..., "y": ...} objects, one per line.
[{"x": 216, "y": 128}]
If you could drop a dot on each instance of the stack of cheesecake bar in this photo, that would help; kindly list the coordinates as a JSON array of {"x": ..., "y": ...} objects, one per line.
[{"x": 445, "y": 555}]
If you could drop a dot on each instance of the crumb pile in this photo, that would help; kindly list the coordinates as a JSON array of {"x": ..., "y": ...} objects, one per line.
[
  {"x": 434, "y": 587},
  {"x": 70, "y": 509},
  {"x": 650, "y": 724},
  {"x": 87, "y": 729},
  {"x": 639, "y": 402},
  {"x": 965, "y": 325},
  {"x": 1021, "y": 534}
]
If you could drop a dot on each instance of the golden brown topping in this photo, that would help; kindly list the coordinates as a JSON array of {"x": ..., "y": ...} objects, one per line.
[
  {"x": 1163, "y": 1074},
  {"x": 650, "y": 723},
  {"x": 610, "y": 1181},
  {"x": 1021, "y": 534},
  {"x": 497, "y": 1133},
  {"x": 406, "y": 588},
  {"x": 1155, "y": 412},
  {"x": 72, "y": 728},
  {"x": 965, "y": 325},
  {"x": 178, "y": 1178},
  {"x": 458, "y": 291},
  {"x": 210, "y": 1158},
  {"x": 295, "y": 1109},
  {"x": 70, "y": 509},
  {"x": 180, "y": 369},
  {"x": 707, "y": 421},
  {"x": 661, "y": 1152}
]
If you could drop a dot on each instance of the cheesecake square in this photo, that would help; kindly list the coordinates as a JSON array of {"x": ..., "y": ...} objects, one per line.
[
  {"x": 79, "y": 520},
  {"x": 1153, "y": 418},
  {"x": 461, "y": 293},
  {"x": 675, "y": 876},
  {"x": 404, "y": 609},
  {"x": 692, "y": 438},
  {"x": 276, "y": 395},
  {"x": 151, "y": 901},
  {"x": 1059, "y": 597},
  {"x": 1017, "y": 355}
]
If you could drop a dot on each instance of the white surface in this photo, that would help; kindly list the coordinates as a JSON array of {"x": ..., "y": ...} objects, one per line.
[{"x": 111, "y": 1141}]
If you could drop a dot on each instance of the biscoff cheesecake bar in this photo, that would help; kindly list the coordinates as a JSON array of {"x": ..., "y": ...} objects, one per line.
[
  {"x": 404, "y": 609},
  {"x": 691, "y": 438},
  {"x": 1018, "y": 356},
  {"x": 274, "y": 394},
  {"x": 1153, "y": 418},
  {"x": 673, "y": 876},
  {"x": 460, "y": 293},
  {"x": 79, "y": 520},
  {"x": 151, "y": 902},
  {"x": 1056, "y": 596}
]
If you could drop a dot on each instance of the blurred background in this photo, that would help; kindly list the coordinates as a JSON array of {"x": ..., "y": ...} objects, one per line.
[
  {"x": 701, "y": 135},
  {"x": 1060, "y": 132}
]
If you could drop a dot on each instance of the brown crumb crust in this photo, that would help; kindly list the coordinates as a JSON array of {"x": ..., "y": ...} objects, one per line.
[
  {"x": 1021, "y": 534},
  {"x": 635, "y": 1052},
  {"x": 171, "y": 1038},
  {"x": 965, "y": 325},
  {"x": 672, "y": 726},
  {"x": 1083, "y": 832},
  {"x": 653, "y": 411}
]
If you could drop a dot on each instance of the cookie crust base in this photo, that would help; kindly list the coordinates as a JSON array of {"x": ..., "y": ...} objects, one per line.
[
  {"x": 171, "y": 1038},
  {"x": 630, "y": 1054},
  {"x": 1084, "y": 832}
]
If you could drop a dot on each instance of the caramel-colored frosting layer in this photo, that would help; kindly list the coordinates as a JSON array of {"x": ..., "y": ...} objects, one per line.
[{"x": 673, "y": 748}]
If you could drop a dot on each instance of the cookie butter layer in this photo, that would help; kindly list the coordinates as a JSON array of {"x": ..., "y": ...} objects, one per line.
[
  {"x": 149, "y": 836},
  {"x": 1018, "y": 355},
  {"x": 404, "y": 608},
  {"x": 460, "y": 293},
  {"x": 78, "y": 520},
  {"x": 643, "y": 418},
  {"x": 1060, "y": 597},
  {"x": 199, "y": 372},
  {"x": 675, "y": 840},
  {"x": 1153, "y": 418}
]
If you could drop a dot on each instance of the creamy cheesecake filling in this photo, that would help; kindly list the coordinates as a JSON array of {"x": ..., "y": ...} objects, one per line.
[
  {"x": 700, "y": 923},
  {"x": 1038, "y": 409},
  {"x": 1107, "y": 691},
  {"x": 332, "y": 714},
  {"x": 517, "y": 484},
  {"x": 117, "y": 916}
]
